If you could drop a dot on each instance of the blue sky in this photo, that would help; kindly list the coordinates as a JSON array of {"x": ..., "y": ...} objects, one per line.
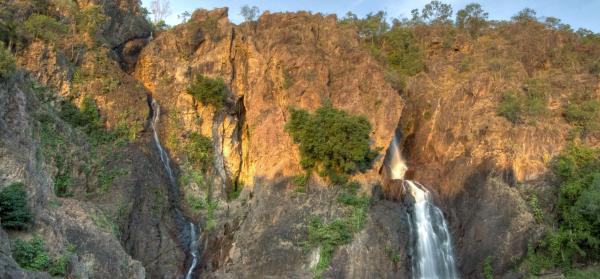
[{"x": 577, "y": 13}]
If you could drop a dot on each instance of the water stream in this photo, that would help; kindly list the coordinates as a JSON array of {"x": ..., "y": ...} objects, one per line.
[
  {"x": 433, "y": 256},
  {"x": 178, "y": 215}
]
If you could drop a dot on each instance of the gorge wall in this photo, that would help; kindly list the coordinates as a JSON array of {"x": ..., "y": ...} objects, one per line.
[{"x": 479, "y": 166}]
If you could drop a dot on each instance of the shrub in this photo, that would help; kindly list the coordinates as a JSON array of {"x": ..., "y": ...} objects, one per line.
[
  {"x": 332, "y": 142},
  {"x": 578, "y": 235},
  {"x": 328, "y": 237},
  {"x": 488, "y": 272},
  {"x": 585, "y": 115},
  {"x": 43, "y": 27},
  {"x": 199, "y": 150},
  {"x": 14, "y": 213},
  {"x": 511, "y": 107},
  {"x": 31, "y": 254},
  {"x": 209, "y": 91},
  {"x": 518, "y": 106},
  {"x": 7, "y": 62}
]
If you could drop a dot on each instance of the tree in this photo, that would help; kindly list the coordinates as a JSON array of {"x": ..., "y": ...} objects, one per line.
[
  {"x": 436, "y": 12},
  {"x": 331, "y": 141},
  {"x": 184, "y": 16},
  {"x": 374, "y": 24},
  {"x": 471, "y": 18},
  {"x": 524, "y": 16},
  {"x": 249, "y": 13},
  {"x": 160, "y": 9},
  {"x": 14, "y": 213},
  {"x": 43, "y": 27},
  {"x": 90, "y": 18}
]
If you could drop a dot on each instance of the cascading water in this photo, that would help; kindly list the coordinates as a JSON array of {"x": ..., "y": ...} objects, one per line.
[
  {"x": 164, "y": 158},
  {"x": 433, "y": 256}
]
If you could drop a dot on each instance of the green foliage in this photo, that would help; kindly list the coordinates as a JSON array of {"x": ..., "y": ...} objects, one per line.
[
  {"x": 518, "y": 106},
  {"x": 328, "y": 237},
  {"x": 535, "y": 208},
  {"x": 525, "y": 16},
  {"x": 331, "y": 141},
  {"x": 90, "y": 18},
  {"x": 511, "y": 107},
  {"x": 373, "y": 25},
  {"x": 106, "y": 177},
  {"x": 338, "y": 232},
  {"x": 31, "y": 254},
  {"x": 249, "y": 13},
  {"x": 299, "y": 181},
  {"x": 577, "y": 237},
  {"x": 488, "y": 272},
  {"x": 160, "y": 25},
  {"x": 210, "y": 217},
  {"x": 585, "y": 115},
  {"x": 472, "y": 18},
  {"x": 401, "y": 54},
  {"x": 88, "y": 119},
  {"x": 590, "y": 272},
  {"x": 7, "y": 62},
  {"x": 63, "y": 181},
  {"x": 393, "y": 255},
  {"x": 436, "y": 12},
  {"x": 199, "y": 150},
  {"x": 43, "y": 27},
  {"x": 14, "y": 214},
  {"x": 209, "y": 91}
]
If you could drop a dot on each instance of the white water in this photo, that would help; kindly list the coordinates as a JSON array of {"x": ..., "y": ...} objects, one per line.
[
  {"x": 164, "y": 157},
  {"x": 194, "y": 251},
  {"x": 433, "y": 257}
]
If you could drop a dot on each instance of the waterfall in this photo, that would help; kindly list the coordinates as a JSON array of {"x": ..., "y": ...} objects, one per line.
[
  {"x": 433, "y": 257},
  {"x": 194, "y": 251},
  {"x": 164, "y": 158}
]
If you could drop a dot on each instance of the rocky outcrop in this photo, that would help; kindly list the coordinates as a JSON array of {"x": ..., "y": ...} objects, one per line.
[
  {"x": 61, "y": 222},
  {"x": 281, "y": 61}
]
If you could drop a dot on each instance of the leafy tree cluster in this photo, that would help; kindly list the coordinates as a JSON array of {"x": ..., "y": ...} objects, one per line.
[
  {"x": 33, "y": 255},
  {"x": 331, "y": 141},
  {"x": 578, "y": 235},
  {"x": 209, "y": 91},
  {"x": 43, "y": 27},
  {"x": 14, "y": 214},
  {"x": 395, "y": 46}
]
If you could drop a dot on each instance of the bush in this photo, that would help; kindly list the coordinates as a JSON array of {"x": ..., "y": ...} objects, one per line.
[
  {"x": 578, "y": 235},
  {"x": 511, "y": 107},
  {"x": 585, "y": 115},
  {"x": 209, "y": 91},
  {"x": 90, "y": 18},
  {"x": 519, "y": 106},
  {"x": 328, "y": 237},
  {"x": 14, "y": 214},
  {"x": 7, "y": 62},
  {"x": 199, "y": 150},
  {"x": 43, "y": 27},
  {"x": 332, "y": 142},
  {"x": 31, "y": 254}
]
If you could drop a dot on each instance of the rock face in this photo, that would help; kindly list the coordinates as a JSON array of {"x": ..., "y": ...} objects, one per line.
[
  {"x": 281, "y": 61},
  {"x": 68, "y": 221}
]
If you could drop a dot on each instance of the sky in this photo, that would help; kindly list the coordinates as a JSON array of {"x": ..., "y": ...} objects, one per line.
[{"x": 577, "y": 13}]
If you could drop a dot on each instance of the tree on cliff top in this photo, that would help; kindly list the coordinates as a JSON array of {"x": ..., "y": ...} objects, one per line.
[
  {"x": 331, "y": 141},
  {"x": 160, "y": 10},
  {"x": 249, "y": 13}
]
